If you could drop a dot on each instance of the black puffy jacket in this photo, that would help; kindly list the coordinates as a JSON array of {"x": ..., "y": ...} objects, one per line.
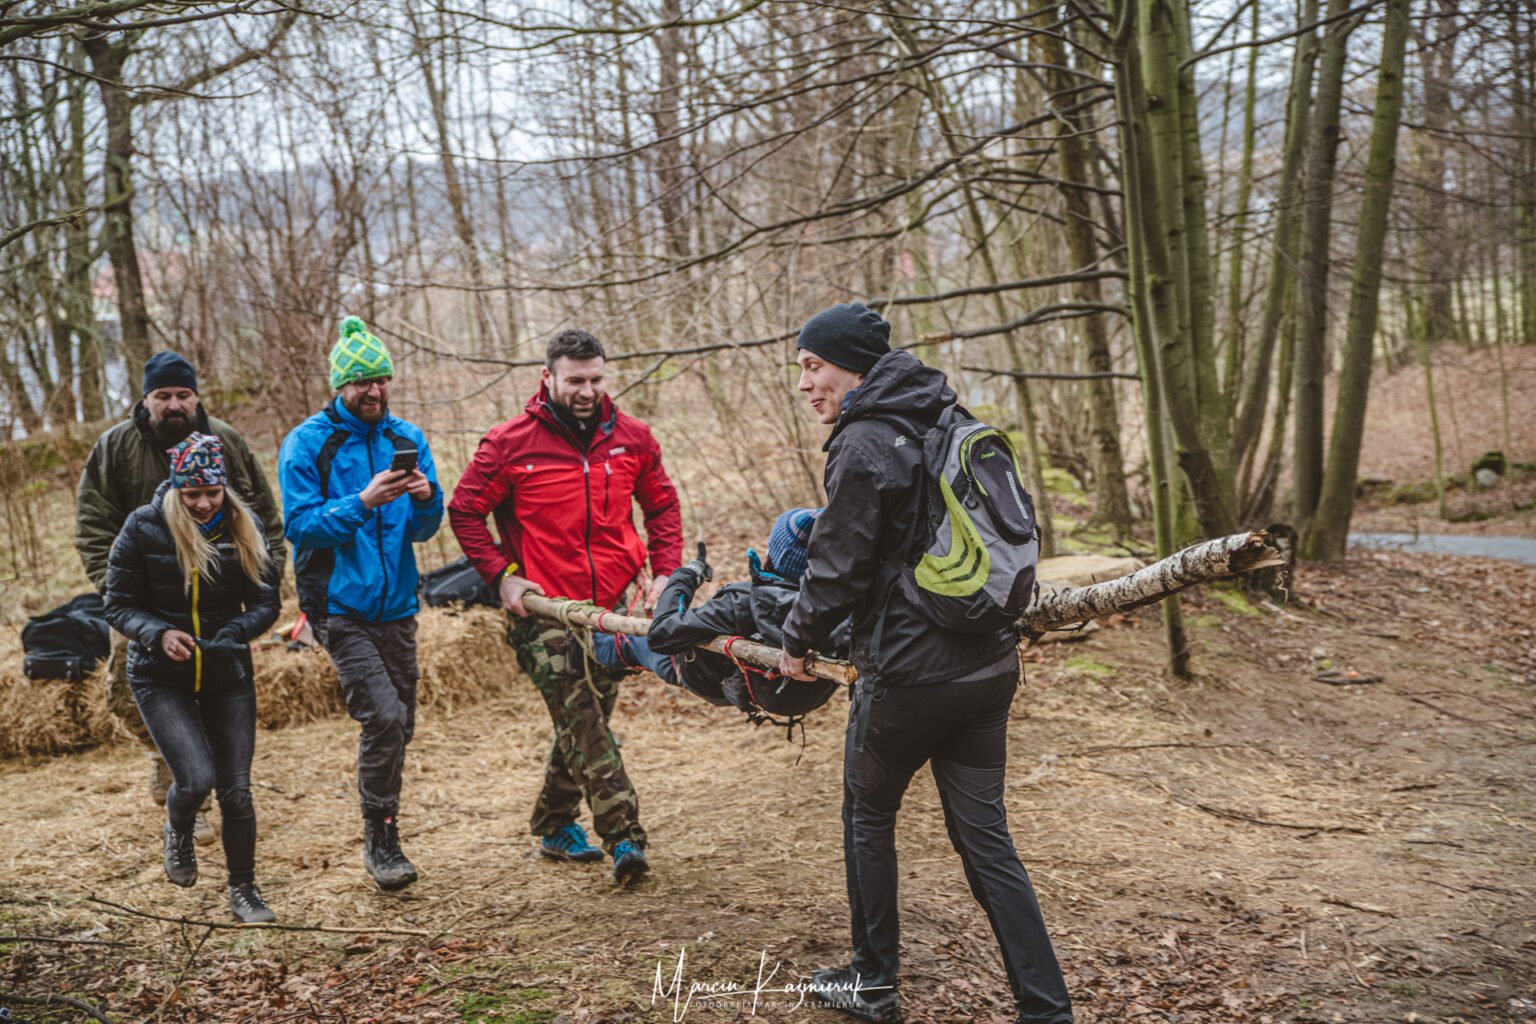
[
  {"x": 754, "y": 609},
  {"x": 146, "y": 595},
  {"x": 873, "y": 480}
]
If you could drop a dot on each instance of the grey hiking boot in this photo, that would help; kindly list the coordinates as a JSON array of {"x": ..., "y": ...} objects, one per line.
[
  {"x": 246, "y": 904},
  {"x": 180, "y": 857},
  {"x": 203, "y": 830},
  {"x": 383, "y": 857},
  {"x": 844, "y": 991},
  {"x": 159, "y": 778}
]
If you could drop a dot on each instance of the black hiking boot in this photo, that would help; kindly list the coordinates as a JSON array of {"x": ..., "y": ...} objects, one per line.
[
  {"x": 383, "y": 857},
  {"x": 840, "y": 990},
  {"x": 180, "y": 857},
  {"x": 246, "y": 904}
]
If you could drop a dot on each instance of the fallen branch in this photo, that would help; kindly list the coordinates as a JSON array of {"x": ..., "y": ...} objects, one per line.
[
  {"x": 1221, "y": 812},
  {"x": 1213, "y": 560},
  {"x": 60, "y": 942},
  {"x": 52, "y": 1000},
  {"x": 192, "y": 922}
]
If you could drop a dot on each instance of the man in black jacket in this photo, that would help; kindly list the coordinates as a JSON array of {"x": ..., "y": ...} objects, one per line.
[{"x": 925, "y": 695}]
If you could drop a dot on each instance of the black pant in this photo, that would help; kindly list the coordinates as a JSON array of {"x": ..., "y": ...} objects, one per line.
[
  {"x": 376, "y": 662},
  {"x": 207, "y": 739},
  {"x": 961, "y": 728}
]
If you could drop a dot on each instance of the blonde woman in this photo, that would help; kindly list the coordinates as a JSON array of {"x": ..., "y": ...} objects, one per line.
[{"x": 191, "y": 582}]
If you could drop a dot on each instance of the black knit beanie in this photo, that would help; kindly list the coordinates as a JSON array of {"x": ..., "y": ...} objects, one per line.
[
  {"x": 168, "y": 370},
  {"x": 850, "y": 335}
]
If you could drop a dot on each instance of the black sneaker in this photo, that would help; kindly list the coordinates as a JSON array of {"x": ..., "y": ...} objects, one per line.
[
  {"x": 246, "y": 904},
  {"x": 383, "y": 857},
  {"x": 841, "y": 990},
  {"x": 180, "y": 857}
]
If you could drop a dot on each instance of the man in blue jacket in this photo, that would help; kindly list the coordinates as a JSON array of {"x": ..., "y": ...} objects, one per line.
[{"x": 359, "y": 488}]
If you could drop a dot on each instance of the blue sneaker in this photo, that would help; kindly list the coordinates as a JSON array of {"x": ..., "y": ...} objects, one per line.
[
  {"x": 569, "y": 842},
  {"x": 629, "y": 862}
]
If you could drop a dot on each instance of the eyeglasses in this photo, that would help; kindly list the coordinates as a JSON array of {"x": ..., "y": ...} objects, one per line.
[{"x": 380, "y": 384}]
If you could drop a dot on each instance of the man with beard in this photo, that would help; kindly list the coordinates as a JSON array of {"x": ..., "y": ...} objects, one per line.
[
  {"x": 360, "y": 488},
  {"x": 561, "y": 481},
  {"x": 128, "y": 463}
]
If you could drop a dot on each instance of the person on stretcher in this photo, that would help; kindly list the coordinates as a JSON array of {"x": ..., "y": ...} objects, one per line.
[{"x": 754, "y": 609}]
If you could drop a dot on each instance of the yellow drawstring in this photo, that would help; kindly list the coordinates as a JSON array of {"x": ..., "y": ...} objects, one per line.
[{"x": 197, "y": 652}]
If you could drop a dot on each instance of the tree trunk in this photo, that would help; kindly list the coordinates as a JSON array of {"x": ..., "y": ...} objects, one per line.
[
  {"x": 1137, "y": 183},
  {"x": 1113, "y": 505},
  {"x": 1437, "y": 266},
  {"x": 1177, "y": 270},
  {"x": 1329, "y": 529},
  {"x": 1312, "y": 295},
  {"x": 1238, "y": 239},
  {"x": 1282, "y": 268},
  {"x": 107, "y": 60}
]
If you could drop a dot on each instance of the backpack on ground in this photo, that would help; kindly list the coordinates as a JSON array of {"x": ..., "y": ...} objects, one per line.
[
  {"x": 457, "y": 582},
  {"x": 976, "y": 541},
  {"x": 67, "y": 642}
]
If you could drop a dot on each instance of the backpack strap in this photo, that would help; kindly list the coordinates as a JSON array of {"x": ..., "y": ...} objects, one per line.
[
  {"x": 328, "y": 450},
  {"x": 338, "y": 437}
]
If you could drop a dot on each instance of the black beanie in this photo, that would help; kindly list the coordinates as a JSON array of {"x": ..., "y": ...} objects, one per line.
[
  {"x": 168, "y": 370},
  {"x": 850, "y": 335}
]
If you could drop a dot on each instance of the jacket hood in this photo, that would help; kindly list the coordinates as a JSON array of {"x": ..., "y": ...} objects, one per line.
[
  {"x": 541, "y": 408},
  {"x": 900, "y": 388},
  {"x": 140, "y": 417}
]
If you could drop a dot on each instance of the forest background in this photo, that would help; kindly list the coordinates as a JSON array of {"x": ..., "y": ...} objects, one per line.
[
  {"x": 1193, "y": 254},
  {"x": 1141, "y": 235}
]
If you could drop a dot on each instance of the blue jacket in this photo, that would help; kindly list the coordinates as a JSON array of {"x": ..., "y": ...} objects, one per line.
[{"x": 349, "y": 560}]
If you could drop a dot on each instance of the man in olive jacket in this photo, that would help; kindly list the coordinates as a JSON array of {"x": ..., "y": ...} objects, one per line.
[{"x": 125, "y": 467}]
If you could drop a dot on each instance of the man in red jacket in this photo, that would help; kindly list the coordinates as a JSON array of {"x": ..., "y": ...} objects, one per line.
[{"x": 560, "y": 481}]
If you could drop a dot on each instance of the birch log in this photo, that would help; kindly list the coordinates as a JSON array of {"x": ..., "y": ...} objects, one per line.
[{"x": 1213, "y": 560}]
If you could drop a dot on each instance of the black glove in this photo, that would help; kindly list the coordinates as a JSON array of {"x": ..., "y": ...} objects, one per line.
[
  {"x": 225, "y": 655},
  {"x": 699, "y": 567},
  {"x": 229, "y": 635}
]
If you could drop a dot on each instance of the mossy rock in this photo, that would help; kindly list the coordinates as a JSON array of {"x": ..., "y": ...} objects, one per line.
[
  {"x": 1494, "y": 461},
  {"x": 1412, "y": 494}
]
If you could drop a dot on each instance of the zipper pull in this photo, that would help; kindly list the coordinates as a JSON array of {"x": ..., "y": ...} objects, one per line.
[{"x": 608, "y": 467}]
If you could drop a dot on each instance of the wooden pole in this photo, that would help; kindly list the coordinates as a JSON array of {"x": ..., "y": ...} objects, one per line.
[
  {"x": 761, "y": 655},
  {"x": 1208, "y": 562}
]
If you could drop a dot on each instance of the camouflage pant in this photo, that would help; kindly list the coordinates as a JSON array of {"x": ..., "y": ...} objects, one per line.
[{"x": 585, "y": 761}]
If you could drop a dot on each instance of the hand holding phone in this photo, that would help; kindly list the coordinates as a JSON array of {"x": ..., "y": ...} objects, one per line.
[{"x": 404, "y": 461}]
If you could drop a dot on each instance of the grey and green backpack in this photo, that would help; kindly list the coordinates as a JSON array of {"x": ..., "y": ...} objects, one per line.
[{"x": 971, "y": 561}]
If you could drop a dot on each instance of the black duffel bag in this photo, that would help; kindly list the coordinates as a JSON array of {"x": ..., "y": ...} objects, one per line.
[
  {"x": 457, "y": 583},
  {"x": 67, "y": 642}
]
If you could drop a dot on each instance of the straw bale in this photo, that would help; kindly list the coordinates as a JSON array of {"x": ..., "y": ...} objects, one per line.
[
  {"x": 463, "y": 655},
  {"x": 50, "y": 716}
]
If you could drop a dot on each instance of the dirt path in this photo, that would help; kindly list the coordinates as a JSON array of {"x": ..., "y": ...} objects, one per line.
[{"x": 1253, "y": 847}]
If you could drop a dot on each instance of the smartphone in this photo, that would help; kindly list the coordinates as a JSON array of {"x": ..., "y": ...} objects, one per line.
[{"x": 405, "y": 459}]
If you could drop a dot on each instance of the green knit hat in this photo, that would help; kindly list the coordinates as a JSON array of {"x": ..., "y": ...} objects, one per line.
[{"x": 358, "y": 356}]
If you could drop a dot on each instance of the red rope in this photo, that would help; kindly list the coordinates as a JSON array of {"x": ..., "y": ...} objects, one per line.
[{"x": 747, "y": 671}]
